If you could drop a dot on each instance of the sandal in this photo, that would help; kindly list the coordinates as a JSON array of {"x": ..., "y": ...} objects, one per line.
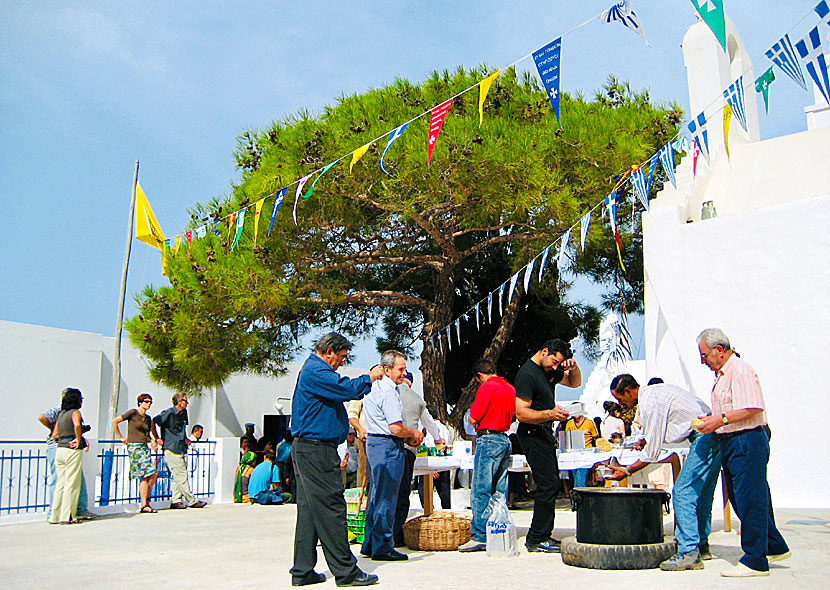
[
  {"x": 148, "y": 510},
  {"x": 73, "y": 521}
]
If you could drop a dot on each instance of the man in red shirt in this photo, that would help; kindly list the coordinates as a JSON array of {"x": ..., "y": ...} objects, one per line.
[{"x": 491, "y": 415}]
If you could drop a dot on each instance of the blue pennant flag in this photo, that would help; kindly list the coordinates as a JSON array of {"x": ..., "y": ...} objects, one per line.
[
  {"x": 622, "y": 12},
  {"x": 544, "y": 261},
  {"x": 697, "y": 127},
  {"x": 734, "y": 95},
  {"x": 277, "y": 203},
  {"x": 809, "y": 48},
  {"x": 638, "y": 180},
  {"x": 783, "y": 55},
  {"x": 563, "y": 251},
  {"x": 529, "y": 274},
  {"x": 611, "y": 205},
  {"x": 216, "y": 227},
  {"x": 666, "y": 155},
  {"x": 584, "y": 225},
  {"x": 823, "y": 11},
  {"x": 396, "y": 133},
  {"x": 513, "y": 281},
  {"x": 547, "y": 62},
  {"x": 652, "y": 166}
]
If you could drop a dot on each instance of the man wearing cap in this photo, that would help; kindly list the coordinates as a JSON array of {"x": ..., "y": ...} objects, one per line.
[
  {"x": 491, "y": 414},
  {"x": 319, "y": 424},
  {"x": 740, "y": 421}
]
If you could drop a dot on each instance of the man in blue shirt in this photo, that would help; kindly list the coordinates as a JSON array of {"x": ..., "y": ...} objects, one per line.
[
  {"x": 265, "y": 477},
  {"x": 319, "y": 424},
  {"x": 172, "y": 425},
  {"x": 385, "y": 452}
]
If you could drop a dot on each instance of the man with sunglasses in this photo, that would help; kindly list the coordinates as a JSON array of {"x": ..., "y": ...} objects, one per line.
[
  {"x": 172, "y": 424},
  {"x": 536, "y": 410}
]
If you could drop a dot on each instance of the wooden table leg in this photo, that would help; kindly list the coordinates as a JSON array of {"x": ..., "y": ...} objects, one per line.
[
  {"x": 727, "y": 514},
  {"x": 427, "y": 494}
]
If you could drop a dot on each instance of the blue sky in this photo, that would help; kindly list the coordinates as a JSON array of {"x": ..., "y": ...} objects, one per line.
[{"x": 86, "y": 88}]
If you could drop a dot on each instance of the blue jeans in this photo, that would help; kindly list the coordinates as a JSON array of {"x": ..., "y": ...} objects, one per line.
[
  {"x": 694, "y": 492},
  {"x": 745, "y": 458},
  {"x": 386, "y": 463},
  {"x": 581, "y": 478},
  {"x": 492, "y": 459},
  {"x": 53, "y": 480}
]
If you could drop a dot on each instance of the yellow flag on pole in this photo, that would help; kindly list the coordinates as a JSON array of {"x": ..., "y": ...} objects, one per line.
[
  {"x": 357, "y": 154},
  {"x": 483, "y": 89},
  {"x": 727, "y": 116},
  {"x": 147, "y": 229},
  {"x": 257, "y": 213}
]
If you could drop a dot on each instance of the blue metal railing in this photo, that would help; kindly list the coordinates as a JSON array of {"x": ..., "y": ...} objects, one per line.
[
  {"x": 124, "y": 490},
  {"x": 24, "y": 475}
]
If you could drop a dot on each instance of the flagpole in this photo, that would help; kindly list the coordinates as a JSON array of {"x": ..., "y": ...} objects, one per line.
[{"x": 116, "y": 359}]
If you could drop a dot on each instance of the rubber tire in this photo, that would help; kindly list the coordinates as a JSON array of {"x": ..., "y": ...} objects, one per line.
[{"x": 617, "y": 557}]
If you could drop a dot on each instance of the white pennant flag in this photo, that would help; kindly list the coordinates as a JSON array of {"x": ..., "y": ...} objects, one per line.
[
  {"x": 513, "y": 281},
  {"x": 501, "y": 298},
  {"x": 300, "y": 186},
  {"x": 544, "y": 260},
  {"x": 563, "y": 249},
  {"x": 490, "y": 308},
  {"x": 584, "y": 225},
  {"x": 529, "y": 273},
  {"x": 458, "y": 330},
  {"x": 449, "y": 337},
  {"x": 478, "y": 324}
]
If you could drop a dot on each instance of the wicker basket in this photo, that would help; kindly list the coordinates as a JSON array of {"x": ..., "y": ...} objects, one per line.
[{"x": 440, "y": 531}]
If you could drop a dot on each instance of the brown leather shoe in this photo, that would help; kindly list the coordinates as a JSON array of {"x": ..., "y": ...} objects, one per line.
[
  {"x": 177, "y": 506},
  {"x": 198, "y": 504}
]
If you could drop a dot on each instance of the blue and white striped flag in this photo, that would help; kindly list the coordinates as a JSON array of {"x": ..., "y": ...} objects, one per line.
[
  {"x": 697, "y": 127},
  {"x": 623, "y": 13},
  {"x": 201, "y": 231},
  {"x": 458, "y": 330},
  {"x": 584, "y": 225},
  {"x": 396, "y": 133},
  {"x": 501, "y": 299},
  {"x": 529, "y": 274},
  {"x": 611, "y": 205},
  {"x": 490, "y": 307},
  {"x": 513, "y": 280},
  {"x": 734, "y": 95},
  {"x": 666, "y": 155},
  {"x": 478, "y": 322},
  {"x": 563, "y": 251},
  {"x": 277, "y": 203},
  {"x": 638, "y": 180},
  {"x": 810, "y": 50},
  {"x": 652, "y": 166},
  {"x": 823, "y": 11},
  {"x": 544, "y": 261},
  {"x": 783, "y": 55},
  {"x": 449, "y": 337}
]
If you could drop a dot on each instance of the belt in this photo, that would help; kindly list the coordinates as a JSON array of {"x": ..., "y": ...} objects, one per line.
[
  {"x": 484, "y": 431},
  {"x": 316, "y": 441},
  {"x": 693, "y": 435},
  {"x": 728, "y": 435},
  {"x": 382, "y": 435}
]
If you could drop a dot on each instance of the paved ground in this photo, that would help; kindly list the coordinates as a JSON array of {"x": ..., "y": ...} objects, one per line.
[{"x": 241, "y": 546}]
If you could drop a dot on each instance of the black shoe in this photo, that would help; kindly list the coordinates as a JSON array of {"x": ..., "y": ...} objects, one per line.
[
  {"x": 177, "y": 506},
  {"x": 391, "y": 556},
  {"x": 308, "y": 579},
  {"x": 361, "y": 579},
  {"x": 198, "y": 504},
  {"x": 549, "y": 546}
]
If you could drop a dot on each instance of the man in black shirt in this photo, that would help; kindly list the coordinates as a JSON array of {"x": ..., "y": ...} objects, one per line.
[{"x": 536, "y": 410}]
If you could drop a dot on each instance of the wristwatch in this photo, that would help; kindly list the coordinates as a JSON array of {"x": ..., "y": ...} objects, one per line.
[{"x": 724, "y": 418}]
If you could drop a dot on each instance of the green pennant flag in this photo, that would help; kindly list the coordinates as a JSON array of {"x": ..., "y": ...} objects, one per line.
[
  {"x": 762, "y": 85},
  {"x": 326, "y": 169},
  {"x": 240, "y": 225},
  {"x": 711, "y": 11}
]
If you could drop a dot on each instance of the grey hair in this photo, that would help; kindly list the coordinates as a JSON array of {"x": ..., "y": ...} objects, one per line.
[
  {"x": 387, "y": 359},
  {"x": 714, "y": 337},
  {"x": 178, "y": 396},
  {"x": 333, "y": 341}
]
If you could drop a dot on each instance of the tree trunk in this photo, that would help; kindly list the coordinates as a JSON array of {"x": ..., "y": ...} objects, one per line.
[
  {"x": 433, "y": 356},
  {"x": 492, "y": 353}
]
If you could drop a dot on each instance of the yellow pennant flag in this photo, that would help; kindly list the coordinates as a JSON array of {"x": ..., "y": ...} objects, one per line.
[
  {"x": 727, "y": 115},
  {"x": 147, "y": 229},
  {"x": 257, "y": 213},
  {"x": 357, "y": 154},
  {"x": 483, "y": 89}
]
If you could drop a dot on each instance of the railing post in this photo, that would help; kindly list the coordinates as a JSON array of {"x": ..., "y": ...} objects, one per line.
[{"x": 106, "y": 476}]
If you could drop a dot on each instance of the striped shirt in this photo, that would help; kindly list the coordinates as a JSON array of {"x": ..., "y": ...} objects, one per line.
[
  {"x": 666, "y": 413},
  {"x": 737, "y": 388}
]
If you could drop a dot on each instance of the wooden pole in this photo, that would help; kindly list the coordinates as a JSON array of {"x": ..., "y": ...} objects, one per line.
[{"x": 116, "y": 359}]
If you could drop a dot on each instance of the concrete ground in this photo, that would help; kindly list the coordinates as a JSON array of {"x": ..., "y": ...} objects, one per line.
[{"x": 241, "y": 546}]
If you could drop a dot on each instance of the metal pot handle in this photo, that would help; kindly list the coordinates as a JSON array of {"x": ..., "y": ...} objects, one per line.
[
  {"x": 667, "y": 502},
  {"x": 576, "y": 498}
]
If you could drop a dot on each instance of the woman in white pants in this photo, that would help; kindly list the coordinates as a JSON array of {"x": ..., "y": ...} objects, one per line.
[{"x": 71, "y": 444}]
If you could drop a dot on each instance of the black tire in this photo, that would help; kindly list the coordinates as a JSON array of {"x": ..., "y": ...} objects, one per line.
[{"x": 617, "y": 557}]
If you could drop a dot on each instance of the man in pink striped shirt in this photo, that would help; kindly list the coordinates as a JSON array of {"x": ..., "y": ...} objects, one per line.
[{"x": 740, "y": 421}]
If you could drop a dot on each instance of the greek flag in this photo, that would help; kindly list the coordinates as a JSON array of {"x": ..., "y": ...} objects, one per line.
[
  {"x": 611, "y": 205},
  {"x": 501, "y": 298},
  {"x": 458, "y": 330},
  {"x": 584, "y": 225},
  {"x": 783, "y": 55},
  {"x": 490, "y": 307},
  {"x": 666, "y": 155},
  {"x": 652, "y": 166},
  {"x": 638, "y": 180},
  {"x": 478, "y": 322},
  {"x": 529, "y": 273},
  {"x": 697, "y": 127},
  {"x": 513, "y": 281},
  {"x": 809, "y": 48},
  {"x": 449, "y": 337},
  {"x": 622, "y": 12},
  {"x": 544, "y": 260},
  {"x": 823, "y": 11},
  {"x": 563, "y": 250},
  {"x": 734, "y": 95},
  {"x": 396, "y": 133}
]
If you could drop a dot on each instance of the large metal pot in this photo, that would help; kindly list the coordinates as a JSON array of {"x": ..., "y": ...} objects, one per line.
[{"x": 619, "y": 516}]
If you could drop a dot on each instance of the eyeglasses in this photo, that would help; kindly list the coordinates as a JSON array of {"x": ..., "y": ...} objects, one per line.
[{"x": 146, "y": 401}]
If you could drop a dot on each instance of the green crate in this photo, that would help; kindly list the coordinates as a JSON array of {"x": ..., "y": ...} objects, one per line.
[{"x": 356, "y": 524}]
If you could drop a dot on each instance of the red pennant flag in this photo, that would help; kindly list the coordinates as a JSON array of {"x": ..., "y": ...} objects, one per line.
[
  {"x": 436, "y": 121},
  {"x": 189, "y": 236}
]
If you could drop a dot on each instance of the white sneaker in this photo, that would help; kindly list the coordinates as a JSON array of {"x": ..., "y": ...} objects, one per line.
[
  {"x": 779, "y": 557},
  {"x": 471, "y": 546},
  {"x": 741, "y": 571}
]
